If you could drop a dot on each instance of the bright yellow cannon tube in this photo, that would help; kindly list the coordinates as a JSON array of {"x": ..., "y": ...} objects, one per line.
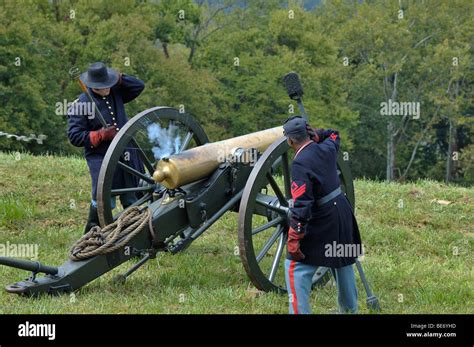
[{"x": 199, "y": 162}]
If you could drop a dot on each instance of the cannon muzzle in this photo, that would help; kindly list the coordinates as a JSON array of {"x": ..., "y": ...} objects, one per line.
[{"x": 34, "y": 266}]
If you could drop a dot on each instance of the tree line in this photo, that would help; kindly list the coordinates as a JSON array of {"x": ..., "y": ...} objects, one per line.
[{"x": 394, "y": 77}]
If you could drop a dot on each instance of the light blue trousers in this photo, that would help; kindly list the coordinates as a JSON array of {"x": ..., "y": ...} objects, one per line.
[
  {"x": 112, "y": 203},
  {"x": 299, "y": 281}
]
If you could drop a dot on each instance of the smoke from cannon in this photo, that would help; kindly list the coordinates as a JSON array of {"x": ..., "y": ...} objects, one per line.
[{"x": 166, "y": 141}]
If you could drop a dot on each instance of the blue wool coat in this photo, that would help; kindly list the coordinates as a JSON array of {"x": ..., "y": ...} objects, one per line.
[
  {"x": 113, "y": 110},
  {"x": 314, "y": 175}
]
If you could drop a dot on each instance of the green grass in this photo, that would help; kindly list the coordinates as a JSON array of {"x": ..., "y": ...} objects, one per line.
[
  {"x": 15, "y": 211},
  {"x": 415, "y": 247}
]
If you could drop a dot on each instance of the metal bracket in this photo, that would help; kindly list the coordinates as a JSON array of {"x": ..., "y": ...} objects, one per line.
[{"x": 32, "y": 277}]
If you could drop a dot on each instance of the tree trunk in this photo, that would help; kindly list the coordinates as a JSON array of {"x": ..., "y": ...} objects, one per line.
[
  {"x": 452, "y": 148},
  {"x": 56, "y": 10},
  {"x": 165, "y": 50},
  {"x": 452, "y": 142},
  {"x": 422, "y": 136},
  {"x": 191, "y": 54},
  {"x": 391, "y": 130},
  {"x": 448, "y": 156},
  {"x": 390, "y": 152}
]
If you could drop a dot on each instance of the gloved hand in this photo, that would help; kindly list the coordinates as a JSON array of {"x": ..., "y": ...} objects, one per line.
[
  {"x": 325, "y": 133},
  {"x": 105, "y": 134},
  {"x": 293, "y": 244}
]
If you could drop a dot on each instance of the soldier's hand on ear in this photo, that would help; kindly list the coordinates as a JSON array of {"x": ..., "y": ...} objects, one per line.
[
  {"x": 311, "y": 133},
  {"x": 315, "y": 134}
]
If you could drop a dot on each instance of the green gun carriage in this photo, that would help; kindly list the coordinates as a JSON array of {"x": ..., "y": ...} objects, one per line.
[{"x": 179, "y": 196}]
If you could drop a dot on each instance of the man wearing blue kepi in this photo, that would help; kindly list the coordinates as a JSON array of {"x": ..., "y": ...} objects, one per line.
[
  {"x": 321, "y": 217},
  {"x": 110, "y": 90}
]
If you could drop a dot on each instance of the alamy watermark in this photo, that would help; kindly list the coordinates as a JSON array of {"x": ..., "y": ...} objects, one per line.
[
  {"x": 19, "y": 250},
  {"x": 37, "y": 330},
  {"x": 348, "y": 250},
  {"x": 395, "y": 108},
  {"x": 77, "y": 108},
  {"x": 238, "y": 155}
]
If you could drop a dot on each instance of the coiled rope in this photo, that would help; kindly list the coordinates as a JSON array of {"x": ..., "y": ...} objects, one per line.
[{"x": 112, "y": 237}]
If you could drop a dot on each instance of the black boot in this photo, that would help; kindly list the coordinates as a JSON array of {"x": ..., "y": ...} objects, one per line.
[{"x": 92, "y": 220}]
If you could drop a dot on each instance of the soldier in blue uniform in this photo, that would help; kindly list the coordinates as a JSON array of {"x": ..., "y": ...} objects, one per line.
[
  {"x": 321, "y": 217},
  {"x": 110, "y": 90}
]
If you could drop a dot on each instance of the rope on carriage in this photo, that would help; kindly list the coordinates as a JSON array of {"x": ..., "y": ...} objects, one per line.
[{"x": 112, "y": 237}]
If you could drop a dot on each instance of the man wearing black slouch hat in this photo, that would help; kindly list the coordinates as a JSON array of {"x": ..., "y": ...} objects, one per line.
[{"x": 109, "y": 90}]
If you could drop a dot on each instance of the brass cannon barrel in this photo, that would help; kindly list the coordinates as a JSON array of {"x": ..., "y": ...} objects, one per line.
[{"x": 199, "y": 162}]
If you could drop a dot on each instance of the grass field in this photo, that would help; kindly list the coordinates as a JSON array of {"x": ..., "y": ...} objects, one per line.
[{"x": 418, "y": 250}]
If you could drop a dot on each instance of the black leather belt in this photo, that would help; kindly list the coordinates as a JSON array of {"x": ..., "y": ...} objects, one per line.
[{"x": 325, "y": 199}]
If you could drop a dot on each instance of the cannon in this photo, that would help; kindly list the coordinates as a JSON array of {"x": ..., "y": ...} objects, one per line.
[{"x": 187, "y": 183}]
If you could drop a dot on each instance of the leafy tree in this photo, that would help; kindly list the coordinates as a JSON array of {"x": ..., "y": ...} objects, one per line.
[{"x": 224, "y": 61}]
